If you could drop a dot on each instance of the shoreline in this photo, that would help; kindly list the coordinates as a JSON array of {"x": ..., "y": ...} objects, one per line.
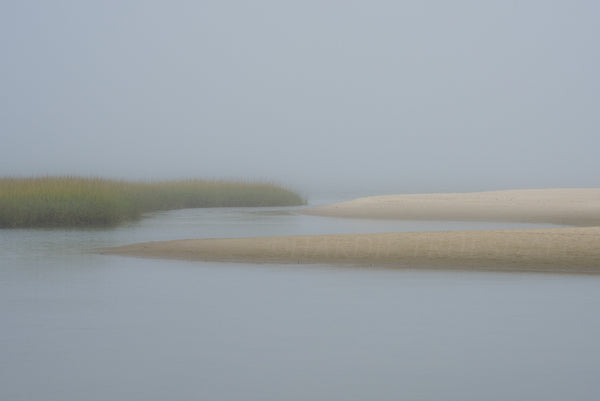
[
  {"x": 89, "y": 202},
  {"x": 567, "y": 207},
  {"x": 565, "y": 249}
]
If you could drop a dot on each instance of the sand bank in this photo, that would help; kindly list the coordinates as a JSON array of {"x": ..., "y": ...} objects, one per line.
[
  {"x": 568, "y": 249},
  {"x": 577, "y": 207},
  {"x": 558, "y": 249}
]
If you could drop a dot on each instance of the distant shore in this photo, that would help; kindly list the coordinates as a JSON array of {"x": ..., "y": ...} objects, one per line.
[
  {"x": 573, "y": 207},
  {"x": 568, "y": 249},
  {"x": 81, "y": 202}
]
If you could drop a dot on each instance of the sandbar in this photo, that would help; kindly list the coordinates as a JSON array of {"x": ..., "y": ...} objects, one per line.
[
  {"x": 573, "y": 249},
  {"x": 574, "y": 207}
]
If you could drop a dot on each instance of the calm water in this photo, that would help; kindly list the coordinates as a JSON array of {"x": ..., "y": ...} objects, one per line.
[{"x": 80, "y": 326}]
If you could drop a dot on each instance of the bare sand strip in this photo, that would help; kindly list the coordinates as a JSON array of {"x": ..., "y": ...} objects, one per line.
[
  {"x": 575, "y": 207},
  {"x": 569, "y": 249},
  {"x": 558, "y": 249}
]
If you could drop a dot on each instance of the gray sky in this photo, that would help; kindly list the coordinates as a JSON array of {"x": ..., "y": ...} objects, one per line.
[{"x": 388, "y": 96}]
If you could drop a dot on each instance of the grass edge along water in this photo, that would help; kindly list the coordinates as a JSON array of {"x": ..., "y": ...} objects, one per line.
[{"x": 72, "y": 201}]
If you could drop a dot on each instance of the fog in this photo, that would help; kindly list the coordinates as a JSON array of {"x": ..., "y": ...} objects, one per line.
[{"x": 381, "y": 96}]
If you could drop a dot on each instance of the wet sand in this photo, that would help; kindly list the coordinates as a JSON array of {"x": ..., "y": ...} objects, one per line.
[
  {"x": 569, "y": 249},
  {"x": 558, "y": 249}
]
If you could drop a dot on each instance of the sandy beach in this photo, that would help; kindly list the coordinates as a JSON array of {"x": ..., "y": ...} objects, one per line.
[
  {"x": 568, "y": 249},
  {"x": 574, "y": 207}
]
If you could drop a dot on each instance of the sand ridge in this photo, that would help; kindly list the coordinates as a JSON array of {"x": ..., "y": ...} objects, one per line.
[
  {"x": 568, "y": 249},
  {"x": 559, "y": 249}
]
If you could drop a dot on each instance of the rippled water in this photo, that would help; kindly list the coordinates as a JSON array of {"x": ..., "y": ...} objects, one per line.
[{"x": 75, "y": 325}]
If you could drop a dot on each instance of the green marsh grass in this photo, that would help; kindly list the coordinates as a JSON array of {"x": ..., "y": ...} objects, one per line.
[{"x": 89, "y": 202}]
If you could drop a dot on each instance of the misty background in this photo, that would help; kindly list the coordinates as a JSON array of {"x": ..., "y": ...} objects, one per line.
[{"x": 381, "y": 96}]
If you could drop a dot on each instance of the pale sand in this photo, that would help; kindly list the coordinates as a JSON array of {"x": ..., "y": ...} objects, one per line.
[
  {"x": 564, "y": 249},
  {"x": 576, "y": 207},
  {"x": 570, "y": 249}
]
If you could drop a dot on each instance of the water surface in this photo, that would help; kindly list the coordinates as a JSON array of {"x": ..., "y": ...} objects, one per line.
[{"x": 75, "y": 325}]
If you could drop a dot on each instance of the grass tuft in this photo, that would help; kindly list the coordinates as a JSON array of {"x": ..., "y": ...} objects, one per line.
[{"x": 69, "y": 201}]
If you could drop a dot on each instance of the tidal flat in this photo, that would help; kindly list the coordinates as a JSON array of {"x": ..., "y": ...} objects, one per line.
[{"x": 554, "y": 249}]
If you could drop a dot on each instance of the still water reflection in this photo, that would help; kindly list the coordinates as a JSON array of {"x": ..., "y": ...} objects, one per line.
[{"x": 79, "y": 326}]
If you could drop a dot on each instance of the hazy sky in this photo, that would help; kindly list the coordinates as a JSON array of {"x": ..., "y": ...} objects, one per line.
[{"x": 390, "y": 96}]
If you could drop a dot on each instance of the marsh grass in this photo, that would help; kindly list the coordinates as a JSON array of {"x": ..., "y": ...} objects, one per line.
[{"x": 88, "y": 202}]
